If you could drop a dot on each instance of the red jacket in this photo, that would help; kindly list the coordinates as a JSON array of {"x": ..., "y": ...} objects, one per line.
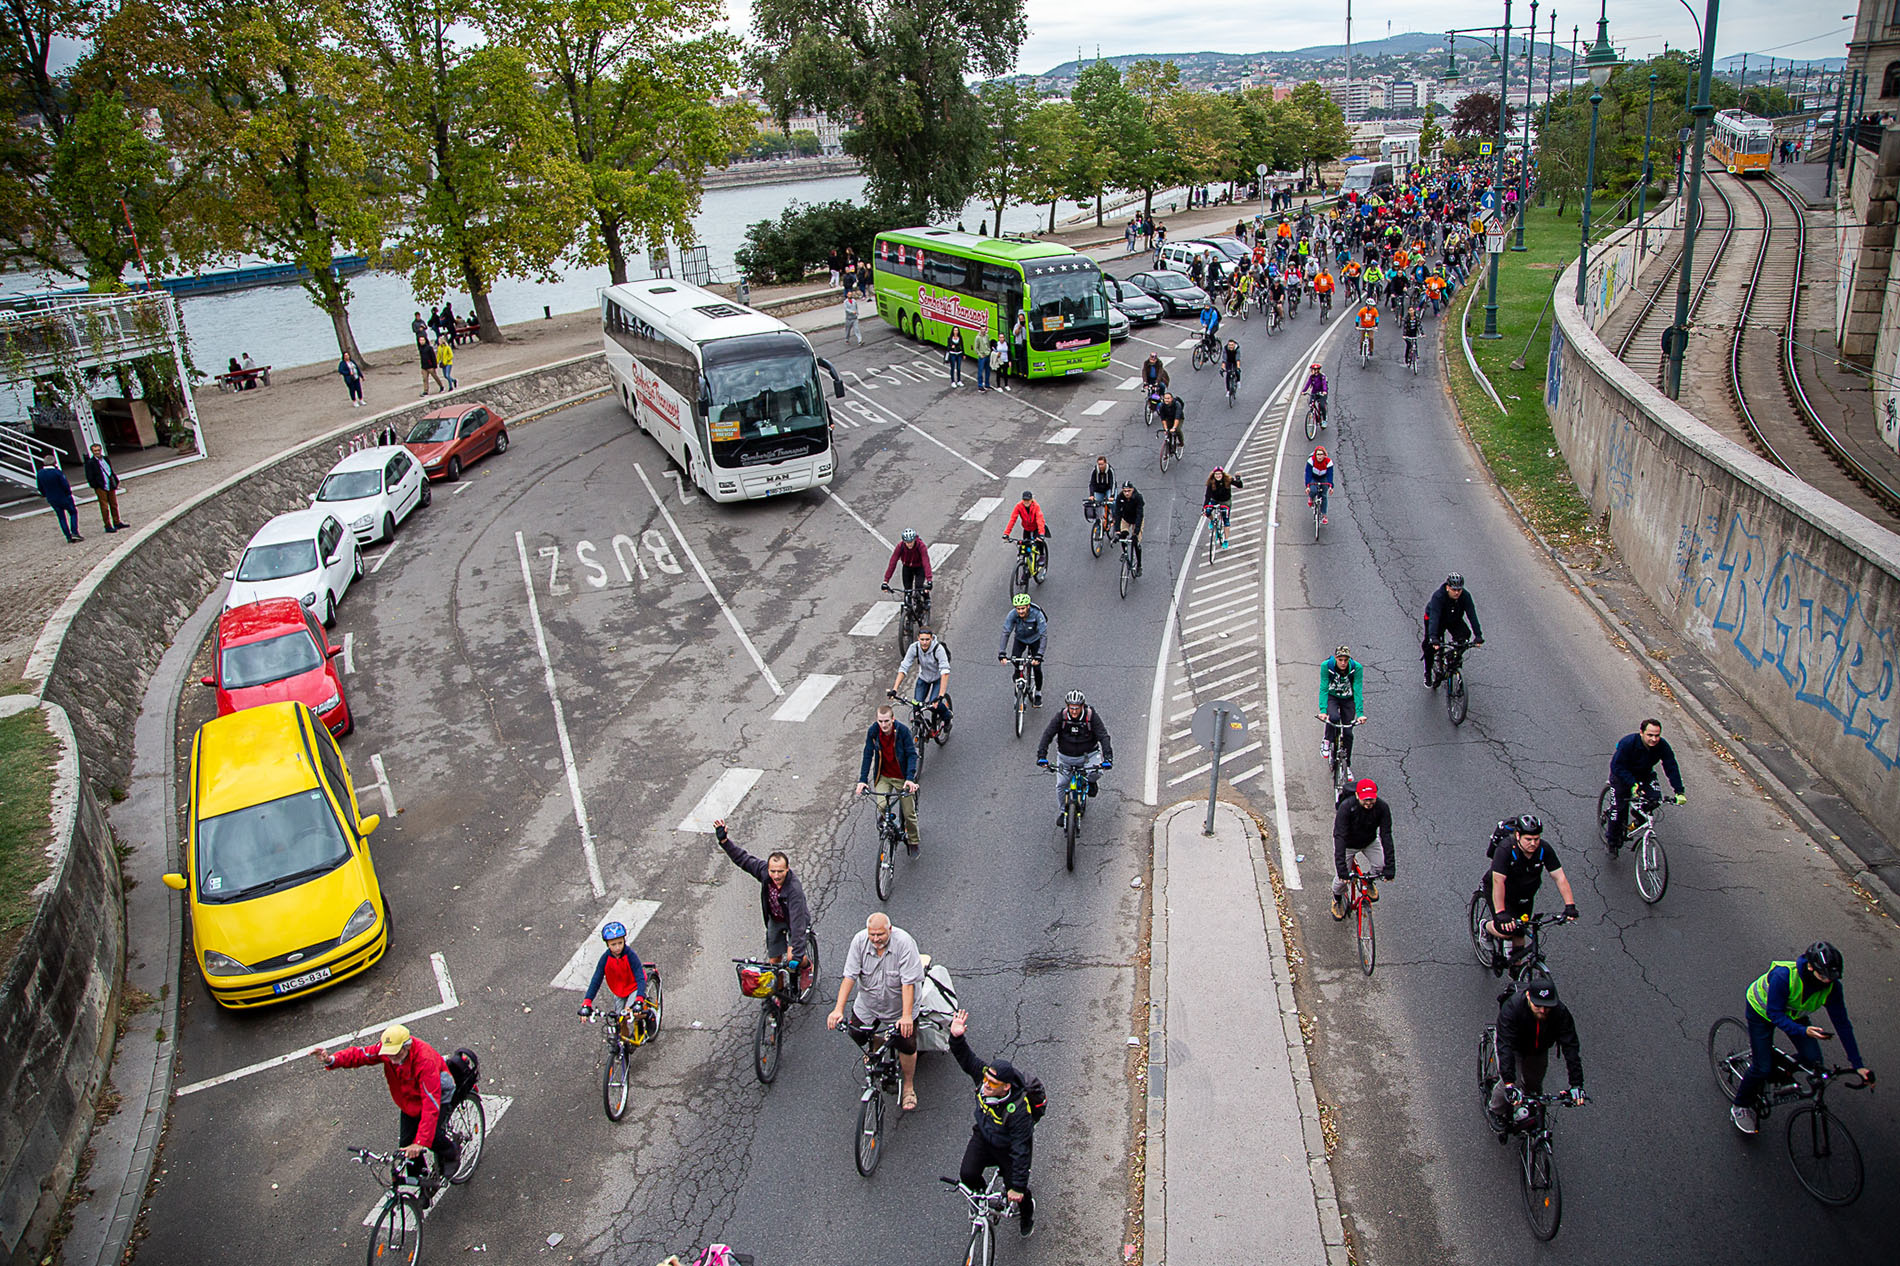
[
  {"x": 415, "y": 1084},
  {"x": 912, "y": 554},
  {"x": 1029, "y": 513}
]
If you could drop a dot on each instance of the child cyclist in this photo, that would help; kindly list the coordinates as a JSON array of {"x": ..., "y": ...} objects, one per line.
[{"x": 620, "y": 969}]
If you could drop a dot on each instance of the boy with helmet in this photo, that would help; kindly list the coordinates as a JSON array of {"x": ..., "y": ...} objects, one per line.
[
  {"x": 1782, "y": 998},
  {"x": 1319, "y": 480},
  {"x": 620, "y": 969},
  {"x": 1077, "y": 731}
]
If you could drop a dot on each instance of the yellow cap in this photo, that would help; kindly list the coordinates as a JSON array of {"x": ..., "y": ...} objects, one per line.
[{"x": 393, "y": 1038}]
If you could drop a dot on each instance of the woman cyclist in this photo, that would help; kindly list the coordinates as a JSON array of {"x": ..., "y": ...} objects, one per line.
[
  {"x": 1219, "y": 494},
  {"x": 1319, "y": 480}
]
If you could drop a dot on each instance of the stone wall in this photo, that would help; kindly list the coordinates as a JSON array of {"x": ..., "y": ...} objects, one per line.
[
  {"x": 62, "y": 1001},
  {"x": 1793, "y": 597},
  {"x": 1863, "y": 238}
]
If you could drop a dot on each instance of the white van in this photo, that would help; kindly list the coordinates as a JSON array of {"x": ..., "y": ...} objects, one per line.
[
  {"x": 1177, "y": 256},
  {"x": 1363, "y": 178}
]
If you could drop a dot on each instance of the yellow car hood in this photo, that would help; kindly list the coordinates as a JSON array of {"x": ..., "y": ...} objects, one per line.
[{"x": 262, "y": 928}]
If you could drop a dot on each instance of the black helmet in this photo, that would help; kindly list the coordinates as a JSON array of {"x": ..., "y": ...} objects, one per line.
[
  {"x": 1824, "y": 960},
  {"x": 1529, "y": 824},
  {"x": 1455, "y": 580}
]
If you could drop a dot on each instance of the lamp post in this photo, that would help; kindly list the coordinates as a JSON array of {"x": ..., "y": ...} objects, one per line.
[
  {"x": 1497, "y": 180},
  {"x": 1524, "y": 159},
  {"x": 1642, "y": 195},
  {"x": 1679, "y": 332},
  {"x": 1550, "y": 69},
  {"x": 1600, "y": 61}
]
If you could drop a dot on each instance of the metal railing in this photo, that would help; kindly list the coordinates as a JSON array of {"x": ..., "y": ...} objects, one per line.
[
  {"x": 43, "y": 334},
  {"x": 20, "y": 457}
]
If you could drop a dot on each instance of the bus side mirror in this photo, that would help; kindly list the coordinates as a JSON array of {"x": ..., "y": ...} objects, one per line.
[{"x": 837, "y": 383}]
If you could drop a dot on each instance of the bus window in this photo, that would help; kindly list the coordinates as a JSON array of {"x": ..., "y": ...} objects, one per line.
[
  {"x": 1065, "y": 306},
  {"x": 946, "y": 272},
  {"x": 764, "y": 402}
]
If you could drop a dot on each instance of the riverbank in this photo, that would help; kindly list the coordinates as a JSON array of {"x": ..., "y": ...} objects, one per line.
[{"x": 790, "y": 171}]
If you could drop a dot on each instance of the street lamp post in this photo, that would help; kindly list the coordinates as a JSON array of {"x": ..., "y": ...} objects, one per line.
[
  {"x": 1600, "y": 61},
  {"x": 1524, "y": 159},
  {"x": 1497, "y": 180},
  {"x": 1550, "y": 70},
  {"x": 1642, "y": 196},
  {"x": 1679, "y": 332}
]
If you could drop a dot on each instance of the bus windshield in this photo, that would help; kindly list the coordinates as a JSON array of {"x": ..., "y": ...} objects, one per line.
[
  {"x": 764, "y": 403},
  {"x": 1067, "y": 310}
]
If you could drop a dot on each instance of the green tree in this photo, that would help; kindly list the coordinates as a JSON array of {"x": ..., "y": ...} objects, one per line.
[
  {"x": 1005, "y": 152},
  {"x": 1054, "y": 134},
  {"x": 805, "y": 143},
  {"x": 1430, "y": 134},
  {"x": 1204, "y": 135},
  {"x": 1142, "y": 159},
  {"x": 1110, "y": 118},
  {"x": 900, "y": 70},
  {"x": 1326, "y": 135}
]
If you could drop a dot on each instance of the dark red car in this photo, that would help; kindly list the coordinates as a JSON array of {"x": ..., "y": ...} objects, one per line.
[
  {"x": 447, "y": 439},
  {"x": 275, "y": 650}
]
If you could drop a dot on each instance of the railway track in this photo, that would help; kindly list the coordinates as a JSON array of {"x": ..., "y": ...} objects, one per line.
[{"x": 1639, "y": 344}]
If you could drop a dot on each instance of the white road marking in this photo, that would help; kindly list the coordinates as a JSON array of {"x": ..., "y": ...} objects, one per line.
[
  {"x": 1217, "y": 622},
  {"x": 876, "y": 620},
  {"x": 1026, "y": 468},
  {"x": 903, "y": 421},
  {"x": 445, "y": 989},
  {"x": 1222, "y": 584},
  {"x": 1128, "y": 384},
  {"x": 349, "y": 652},
  {"x": 679, "y": 485},
  {"x": 1185, "y": 343},
  {"x": 382, "y": 784},
  {"x": 720, "y": 800},
  {"x": 1216, "y": 602},
  {"x": 1225, "y": 756},
  {"x": 560, "y": 719},
  {"x": 383, "y": 557},
  {"x": 1209, "y": 687},
  {"x": 459, "y": 491},
  {"x": 1243, "y": 776},
  {"x": 578, "y": 972},
  {"x": 876, "y": 535},
  {"x": 1100, "y": 407},
  {"x": 1212, "y": 637},
  {"x": 940, "y": 552},
  {"x": 1202, "y": 670},
  {"x": 739, "y": 629},
  {"x": 494, "y": 1107},
  {"x": 1063, "y": 436},
  {"x": 983, "y": 509},
  {"x": 805, "y": 697}
]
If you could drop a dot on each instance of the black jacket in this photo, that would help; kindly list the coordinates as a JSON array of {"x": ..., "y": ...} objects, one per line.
[
  {"x": 1006, "y": 1125},
  {"x": 1443, "y": 615},
  {"x": 1634, "y": 761},
  {"x": 1355, "y": 828},
  {"x": 1520, "y": 1032},
  {"x": 96, "y": 475},
  {"x": 1076, "y": 737},
  {"x": 797, "y": 911}
]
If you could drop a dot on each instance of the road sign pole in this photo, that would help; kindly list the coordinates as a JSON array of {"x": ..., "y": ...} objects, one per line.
[{"x": 1213, "y": 777}]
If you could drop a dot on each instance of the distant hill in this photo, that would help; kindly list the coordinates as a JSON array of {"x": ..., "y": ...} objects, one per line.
[{"x": 1410, "y": 44}]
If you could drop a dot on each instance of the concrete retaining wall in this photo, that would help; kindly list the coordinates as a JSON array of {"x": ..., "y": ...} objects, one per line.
[
  {"x": 1793, "y": 597},
  {"x": 61, "y": 1008}
]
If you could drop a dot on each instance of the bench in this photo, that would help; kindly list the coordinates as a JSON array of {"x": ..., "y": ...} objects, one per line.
[
  {"x": 464, "y": 332},
  {"x": 244, "y": 379}
]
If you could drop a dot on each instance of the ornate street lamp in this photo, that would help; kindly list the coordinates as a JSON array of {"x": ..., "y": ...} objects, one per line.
[{"x": 1600, "y": 62}]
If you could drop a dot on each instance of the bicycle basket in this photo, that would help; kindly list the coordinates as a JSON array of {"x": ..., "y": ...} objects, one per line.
[{"x": 757, "y": 980}]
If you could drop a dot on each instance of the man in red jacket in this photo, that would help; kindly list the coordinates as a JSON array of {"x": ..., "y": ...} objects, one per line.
[{"x": 419, "y": 1082}]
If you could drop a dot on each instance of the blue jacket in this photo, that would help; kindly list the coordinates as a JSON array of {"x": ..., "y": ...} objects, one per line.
[
  {"x": 1836, "y": 1011},
  {"x": 53, "y": 486},
  {"x": 906, "y": 752},
  {"x": 1031, "y": 629},
  {"x": 1636, "y": 761}
]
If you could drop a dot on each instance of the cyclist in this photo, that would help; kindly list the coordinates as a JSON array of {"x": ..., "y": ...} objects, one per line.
[
  {"x": 1005, "y": 1131},
  {"x": 1373, "y": 283},
  {"x": 1101, "y": 485},
  {"x": 1026, "y": 632},
  {"x": 1362, "y": 823},
  {"x": 1243, "y": 289},
  {"x": 1127, "y": 514},
  {"x": 1435, "y": 288},
  {"x": 781, "y": 897},
  {"x": 1173, "y": 415},
  {"x": 1410, "y": 325},
  {"x": 1634, "y": 765},
  {"x": 1323, "y": 291},
  {"x": 1341, "y": 699},
  {"x": 883, "y": 965},
  {"x": 914, "y": 556},
  {"x": 1028, "y": 513},
  {"x": 1230, "y": 366},
  {"x": 1531, "y": 1021},
  {"x": 1350, "y": 270},
  {"x": 1078, "y": 733},
  {"x": 890, "y": 765},
  {"x": 931, "y": 658},
  {"x": 620, "y": 969},
  {"x": 1368, "y": 321},
  {"x": 1319, "y": 480},
  {"x": 1782, "y": 998},
  {"x": 1316, "y": 388},
  {"x": 1448, "y": 613},
  {"x": 1276, "y": 299},
  {"x": 419, "y": 1083},
  {"x": 1210, "y": 325},
  {"x": 1519, "y": 858},
  {"x": 1219, "y": 494},
  {"x": 1154, "y": 374}
]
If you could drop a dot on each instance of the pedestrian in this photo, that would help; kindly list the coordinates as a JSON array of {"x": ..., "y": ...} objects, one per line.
[
  {"x": 851, "y": 279},
  {"x": 353, "y": 379},
  {"x": 953, "y": 356},
  {"x": 250, "y": 375},
  {"x": 1019, "y": 344},
  {"x": 448, "y": 320},
  {"x": 445, "y": 358},
  {"x": 864, "y": 276},
  {"x": 104, "y": 482},
  {"x": 435, "y": 321},
  {"x": 851, "y": 331},
  {"x": 835, "y": 263},
  {"x": 59, "y": 494},
  {"x": 983, "y": 229},
  {"x": 999, "y": 364},
  {"x": 981, "y": 349},
  {"x": 418, "y": 326},
  {"x": 1129, "y": 235},
  {"x": 425, "y": 355}
]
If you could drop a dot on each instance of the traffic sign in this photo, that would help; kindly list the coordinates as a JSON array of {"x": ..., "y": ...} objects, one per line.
[
  {"x": 1494, "y": 241},
  {"x": 1489, "y": 198},
  {"x": 1261, "y": 170},
  {"x": 1484, "y": 149},
  {"x": 1208, "y": 716}
]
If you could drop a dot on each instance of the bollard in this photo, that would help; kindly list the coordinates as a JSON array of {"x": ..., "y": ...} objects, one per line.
[
  {"x": 546, "y": 315},
  {"x": 1213, "y": 776}
]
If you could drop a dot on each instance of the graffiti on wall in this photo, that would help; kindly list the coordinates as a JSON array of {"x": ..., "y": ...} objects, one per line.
[
  {"x": 1620, "y": 466},
  {"x": 1554, "y": 368},
  {"x": 1792, "y": 617}
]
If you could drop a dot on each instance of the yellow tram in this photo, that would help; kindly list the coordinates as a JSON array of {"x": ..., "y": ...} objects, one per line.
[{"x": 1742, "y": 143}]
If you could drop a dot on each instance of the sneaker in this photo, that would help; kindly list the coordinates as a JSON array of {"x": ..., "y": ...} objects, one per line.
[
  {"x": 1325, "y": 750},
  {"x": 1499, "y": 1126},
  {"x": 1036, "y": 699},
  {"x": 1372, "y": 890},
  {"x": 1339, "y": 906},
  {"x": 1744, "y": 1118},
  {"x": 910, "y": 847},
  {"x": 1062, "y": 818},
  {"x": 1324, "y": 520},
  {"x": 1026, "y": 1223}
]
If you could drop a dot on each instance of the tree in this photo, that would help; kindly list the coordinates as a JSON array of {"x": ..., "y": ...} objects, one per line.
[
  {"x": 805, "y": 143},
  {"x": 1142, "y": 160},
  {"x": 1110, "y": 118},
  {"x": 1054, "y": 134},
  {"x": 1005, "y": 146},
  {"x": 1430, "y": 135},
  {"x": 1203, "y": 134},
  {"x": 899, "y": 69},
  {"x": 1477, "y": 115},
  {"x": 1327, "y": 136}
]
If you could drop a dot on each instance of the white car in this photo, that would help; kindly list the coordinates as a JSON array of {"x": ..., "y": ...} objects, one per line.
[
  {"x": 372, "y": 490},
  {"x": 307, "y": 555}
]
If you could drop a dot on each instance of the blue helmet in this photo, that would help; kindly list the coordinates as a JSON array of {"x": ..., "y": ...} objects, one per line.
[{"x": 615, "y": 931}]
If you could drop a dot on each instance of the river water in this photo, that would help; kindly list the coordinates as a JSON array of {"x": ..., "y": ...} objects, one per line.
[{"x": 280, "y": 326}]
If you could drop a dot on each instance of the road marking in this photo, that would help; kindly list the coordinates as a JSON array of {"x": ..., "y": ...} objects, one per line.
[
  {"x": 1150, "y": 342},
  {"x": 904, "y": 421},
  {"x": 805, "y": 697},
  {"x": 1201, "y": 769},
  {"x": 578, "y": 972},
  {"x": 1212, "y": 637},
  {"x": 939, "y": 553},
  {"x": 845, "y": 506},
  {"x": 1063, "y": 436},
  {"x": 1220, "y": 601},
  {"x": 1224, "y": 665},
  {"x": 1209, "y": 687},
  {"x": 1024, "y": 469},
  {"x": 1221, "y": 584},
  {"x": 459, "y": 491},
  {"x": 383, "y": 558},
  {"x": 349, "y": 652},
  {"x": 382, "y": 784},
  {"x": 560, "y": 718},
  {"x": 494, "y": 1107},
  {"x": 758, "y": 660},
  {"x": 1185, "y": 343},
  {"x": 445, "y": 989},
  {"x": 983, "y": 509},
  {"x": 1100, "y": 407},
  {"x": 720, "y": 800},
  {"x": 876, "y": 620},
  {"x": 1129, "y": 384},
  {"x": 1217, "y": 622},
  {"x": 1243, "y": 776}
]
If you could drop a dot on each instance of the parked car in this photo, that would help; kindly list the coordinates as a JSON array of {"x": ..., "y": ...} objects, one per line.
[
  {"x": 275, "y": 650},
  {"x": 281, "y": 891},
  {"x": 1140, "y": 308},
  {"x": 447, "y": 439},
  {"x": 306, "y": 555},
  {"x": 1117, "y": 323},
  {"x": 1179, "y": 256},
  {"x": 1232, "y": 249},
  {"x": 1173, "y": 291},
  {"x": 374, "y": 489}
]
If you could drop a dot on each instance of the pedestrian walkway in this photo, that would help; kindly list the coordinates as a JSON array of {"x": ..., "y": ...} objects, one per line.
[{"x": 1236, "y": 1163}]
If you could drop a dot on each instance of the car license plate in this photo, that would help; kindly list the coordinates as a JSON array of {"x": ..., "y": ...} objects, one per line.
[{"x": 299, "y": 982}]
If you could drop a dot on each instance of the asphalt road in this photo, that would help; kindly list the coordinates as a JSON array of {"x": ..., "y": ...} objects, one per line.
[{"x": 487, "y": 866}]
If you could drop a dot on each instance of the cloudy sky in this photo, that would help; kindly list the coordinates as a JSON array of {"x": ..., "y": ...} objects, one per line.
[{"x": 1797, "y": 29}]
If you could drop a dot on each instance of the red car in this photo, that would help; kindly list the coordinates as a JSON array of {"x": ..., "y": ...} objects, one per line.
[
  {"x": 275, "y": 650},
  {"x": 449, "y": 438}
]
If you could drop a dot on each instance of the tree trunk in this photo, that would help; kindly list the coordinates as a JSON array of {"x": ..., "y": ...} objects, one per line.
[
  {"x": 616, "y": 252},
  {"x": 1148, "y": 203},
  {"x": 1098, "y": 208},
  {"x": 485, "y": 328},
  {"x": 340, "y": 321},
  {"x": 1052, "y": 215},
  {"x": 996, "y": 216}
]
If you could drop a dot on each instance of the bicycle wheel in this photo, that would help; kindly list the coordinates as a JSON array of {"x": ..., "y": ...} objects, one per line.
[
  {"x": 1074, "y": 825},
  {"x": 1213, "y": 538},
  {"x": 1543, "y": 1194},
  {"x": 616, "y": 1082},
  {"x": 1096, "y": 536},
  {"x": 870, "y": 1142},
  {"x": 886, "y": 863},
  {"x": 1456, "y": 704},
  {"x": 1042, "y": 562},
  {"x": 765, "y": 1042},
  {"x": 1606, "y": 809},
  {"x": 1312, "y": 423},
  {"x": 1316, "y": 518},
  {"x": 982, "y": 1244},
  {"x": 1824, "y": 1155},
  {"x": 468, "y": 1123},
  {"x": 1019, "y": 579},
  {"x": 656, "y": 1000},
  {"x": 1729, "y": 1054},
  {"x": 1127, "y": 573},
  {"x": 810, "y": 970},
  {"x": 923, "y": 745},
  {"x": 1652, "y": 869},
  {"x": 1167, "y": 451},
  {"x": 1487, "y": 1065},
  {"x": 1482, "y": 945},
  {"x": 396, "y": 1235},
  {"x": 1368, "y": 943},
  {"x": 906, "y": 629},
  {"x": 1022, "y": 707}
]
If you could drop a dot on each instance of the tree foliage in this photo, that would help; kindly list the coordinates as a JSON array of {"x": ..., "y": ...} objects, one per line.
[
  {"x": 1477, "y": 115},
  {"x": 1006, "y": 145},
  {"x": 785, "y": 249}
]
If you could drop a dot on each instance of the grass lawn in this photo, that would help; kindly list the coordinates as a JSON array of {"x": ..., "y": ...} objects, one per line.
[{"x": 27, "y": 751}]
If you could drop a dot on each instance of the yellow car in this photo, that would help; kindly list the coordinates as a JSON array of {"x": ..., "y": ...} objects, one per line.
[{"x": 284, "y": 898}]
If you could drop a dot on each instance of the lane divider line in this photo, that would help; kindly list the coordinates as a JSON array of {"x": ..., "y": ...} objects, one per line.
[
  {"x": 901, "y": 420},
  {"x": 846, "y": 507}
]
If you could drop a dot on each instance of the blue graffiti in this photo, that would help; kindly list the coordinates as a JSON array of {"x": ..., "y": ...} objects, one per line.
[
  {"x": 1554, "y": 368},
  {"x": 1794, "y": 618},
  {"x": 1621, "y": 466}
]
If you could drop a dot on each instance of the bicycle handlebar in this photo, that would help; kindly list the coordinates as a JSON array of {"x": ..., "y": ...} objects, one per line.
[{"x": 1344, "y": 725}]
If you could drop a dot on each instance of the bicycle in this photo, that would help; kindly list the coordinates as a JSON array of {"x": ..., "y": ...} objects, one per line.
[
  {"x": 1530, "y": 1123},
  {"x": 1652, "y": 864},
  {"x": 1153, "y": 409},
  {"x": 1202, "y": 356},
  {"x": 882, "y": 1076},
  {"x": 1127, "y": 569},
  {"x": 1825, "y": 1157},
  {"x": 1096, "y": 512},
  {"x": 1448, "y": 667},
  {"x": 1019, "y": 665},
  {"x": 1292, "y": 303},
  {"x": 1075, "y": 800},
  {"x": 1365, "y": 348},
  {"x": 1233, "y": 386},
  {"x": 1339, "y": 749},
  {"x": 396, "y": 1225},
  {"x": 1491, "y": 952},
  {"x": 1411, "y": 352},
  {"x": 793, "y": 981},
  {"x": 1359, "y": 900},
  {"x": 1325, "y": 305},
  {"x": 1276, "y": 316},
  {"x": 1319, "y": 513},
  {"x": 627, "y": 1028},
  {"x": 1315, "y": 413},
  {"x": 890, "y": 837},
  {"x": 1171, "y": 447},
  {"x": 926, "y": 723},
  {"x": 1032, "y": 559},
  {"x": 913, "y": 613},
  {"x": 987, "y": 1207},
  {"x": 1216, "y": 530}
]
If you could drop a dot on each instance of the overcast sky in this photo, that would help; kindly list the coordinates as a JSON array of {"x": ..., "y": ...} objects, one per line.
[{"x": 1119, "y": 27}]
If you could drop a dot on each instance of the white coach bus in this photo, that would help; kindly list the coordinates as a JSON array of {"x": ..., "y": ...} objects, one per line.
[{"x": 731, "y": 394}]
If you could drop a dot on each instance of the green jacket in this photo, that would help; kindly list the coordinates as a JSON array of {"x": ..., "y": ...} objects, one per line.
[{"x": 1334, "y": 684}]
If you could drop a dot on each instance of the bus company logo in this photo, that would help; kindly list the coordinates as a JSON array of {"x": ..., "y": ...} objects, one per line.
[
  {"x": 951, "y": 310},
  {"x": 653, "y": 394},
  {"x": 1063, "y": 345}
]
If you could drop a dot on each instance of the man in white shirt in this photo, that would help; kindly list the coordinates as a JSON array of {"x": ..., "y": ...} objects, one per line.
[
  {"x": 931, "y": 659},
  {"x": 884, "y": 966}
]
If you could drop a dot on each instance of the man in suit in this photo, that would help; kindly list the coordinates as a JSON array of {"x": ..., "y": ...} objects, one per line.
[
  {"x": 59, "y": 494},
  {"x": 104, "y": 482}
]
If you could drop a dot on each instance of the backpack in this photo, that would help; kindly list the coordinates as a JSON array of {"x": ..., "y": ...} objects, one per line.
[
  {"x": 1036, "y": 1097},
  {"x": 465, "y": 1068}
]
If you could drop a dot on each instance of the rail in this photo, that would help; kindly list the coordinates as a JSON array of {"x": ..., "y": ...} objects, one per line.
[
  {"x": 1755, "y": 429},
  {"x": 20, "y": 457},
  {"x": 1662, "y": 284}
]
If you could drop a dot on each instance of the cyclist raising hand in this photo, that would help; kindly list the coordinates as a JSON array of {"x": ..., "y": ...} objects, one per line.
[{"x": 1219, "y": 494}]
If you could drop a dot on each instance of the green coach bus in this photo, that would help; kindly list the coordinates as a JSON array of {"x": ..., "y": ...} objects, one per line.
[{"x": 928, "y": 281}]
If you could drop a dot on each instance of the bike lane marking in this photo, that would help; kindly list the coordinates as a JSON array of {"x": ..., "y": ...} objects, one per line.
[
  {"x": 877, "y": 619},
  {"x": 983, "y": 509},
  {"x": 904, "y": 421},
  {"x": 1100, "y": 407},
  {"x": 1024, "y": 469},
  {"x": 805, "y": 697},
  {"x": 844, "y": 505},
  {"x": 578, "y": 971},
  {"x": 349, "y": 653},
  {"x": 720, "y": 799},
  {"x": 1064, "y": 436}
]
